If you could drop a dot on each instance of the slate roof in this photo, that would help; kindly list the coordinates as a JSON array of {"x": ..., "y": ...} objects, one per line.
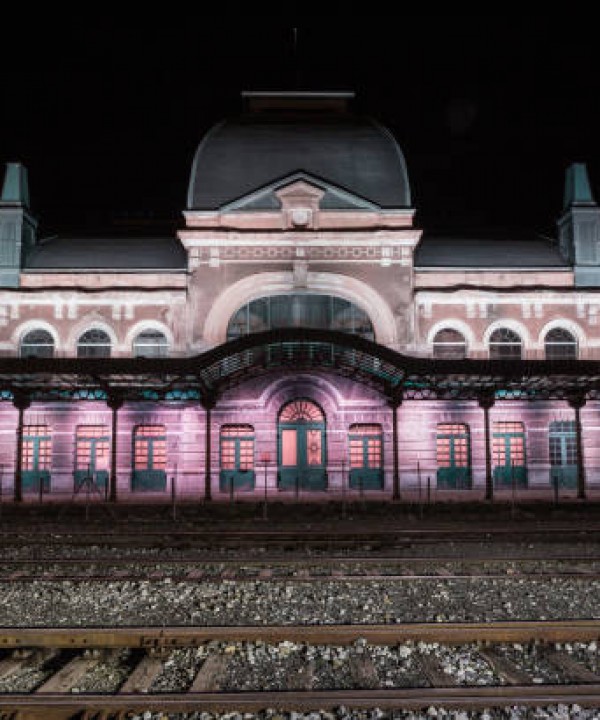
[
  {"x": 447, "y": 252},
  {"x": 239, "y": 156},
  {"x": 132, "y": 253}
]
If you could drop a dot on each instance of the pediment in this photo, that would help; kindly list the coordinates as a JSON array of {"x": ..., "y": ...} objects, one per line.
[
  {"x": 300, "y": 188},
  {"x": 299, "y": 191}
]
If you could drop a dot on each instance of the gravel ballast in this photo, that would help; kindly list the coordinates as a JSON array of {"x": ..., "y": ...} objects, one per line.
[
  {"x": 548, "y": 712},
  {"x": 114, "y": 603}
]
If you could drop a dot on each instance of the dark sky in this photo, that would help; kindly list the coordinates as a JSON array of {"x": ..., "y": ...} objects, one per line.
[{"x": 489, "y": 111}]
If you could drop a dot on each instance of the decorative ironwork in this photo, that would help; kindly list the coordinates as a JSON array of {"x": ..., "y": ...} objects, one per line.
[{"x": 205, "y": 377}]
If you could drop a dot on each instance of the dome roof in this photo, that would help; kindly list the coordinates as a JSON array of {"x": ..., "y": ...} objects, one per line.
[{"x": 241, "y": 156}]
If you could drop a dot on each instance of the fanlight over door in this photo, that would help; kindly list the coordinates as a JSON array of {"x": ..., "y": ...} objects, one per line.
[{"x": 301, "y": 446}]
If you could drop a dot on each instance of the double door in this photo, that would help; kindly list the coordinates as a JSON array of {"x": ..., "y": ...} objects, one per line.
[
  {"x": 563, "y": 453},
  {"x": 302, "y": 456},
  {"x": 508, "y": 450}
]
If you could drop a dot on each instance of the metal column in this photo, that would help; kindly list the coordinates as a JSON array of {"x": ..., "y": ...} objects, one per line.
[
  {"x": 577, "y": 402},
  {"x": 208, "y": 406},
  {"x": 486, "y": 402},
  {"x": 114, "y": 402},
  {"x": 21, "y": 402},
  {"x": 396, "y": 476}
]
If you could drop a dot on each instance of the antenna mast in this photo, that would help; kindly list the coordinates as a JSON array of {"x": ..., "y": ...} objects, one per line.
[{"x": 296, "y": 64}]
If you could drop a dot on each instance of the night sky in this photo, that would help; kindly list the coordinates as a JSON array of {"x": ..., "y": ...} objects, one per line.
[{"x": 488, "y": 111}]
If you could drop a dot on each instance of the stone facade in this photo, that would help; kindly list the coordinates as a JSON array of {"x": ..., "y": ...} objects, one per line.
[{"x": 364, "y": 254}]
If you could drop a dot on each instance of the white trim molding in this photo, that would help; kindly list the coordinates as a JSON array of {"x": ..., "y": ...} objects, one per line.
[
  {"x": 564, "y": 324},
  {"x": 143, "y": 325},
  {"x": 453, "y": 324},
  {"x": 282, "y": 283},
  {"x": 26, "y": 327},
  {"x": 511, "y": 324},
  {"x": 91, "y": 322}
]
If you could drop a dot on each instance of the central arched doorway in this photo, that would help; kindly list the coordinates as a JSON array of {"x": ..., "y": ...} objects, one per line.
[{"x": 301, "y": 446}]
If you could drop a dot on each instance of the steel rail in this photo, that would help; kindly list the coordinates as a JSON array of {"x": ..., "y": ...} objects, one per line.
[
  {"x": 65, "y": 706},
  {"x": 280, "y": 559},
  {"x": 314, "y": 578},
  {"x": 546, "y": 532},
  {"x": 389, "y": 634}
]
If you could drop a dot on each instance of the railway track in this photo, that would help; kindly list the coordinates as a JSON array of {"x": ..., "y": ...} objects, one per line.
[
  {"x": 305, "y": 534},
  {"x": 283, "y": 568},
  {"x": 246, "y": 669},
  {"x": 53, "y": 672},
  {"x": 266, "y": 576}
]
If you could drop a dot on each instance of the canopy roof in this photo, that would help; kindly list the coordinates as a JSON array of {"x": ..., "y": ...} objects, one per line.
[{"x": 204, "y": 378}]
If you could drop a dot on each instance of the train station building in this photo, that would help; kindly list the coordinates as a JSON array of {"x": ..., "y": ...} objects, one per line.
[{"x": 300, "y": 334}]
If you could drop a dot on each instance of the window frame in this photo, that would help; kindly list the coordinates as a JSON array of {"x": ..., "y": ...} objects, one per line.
[
  {"x": 494, "y": 346},
  {"x": 365, "y": 442},
  {"x": 51, "y": 345},
  {"x": 84, "y": 349},
  {"x": 440, "y": 345}
]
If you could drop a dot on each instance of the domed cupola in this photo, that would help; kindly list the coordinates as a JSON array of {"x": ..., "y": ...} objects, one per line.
[{"x": 282, "y": 137}]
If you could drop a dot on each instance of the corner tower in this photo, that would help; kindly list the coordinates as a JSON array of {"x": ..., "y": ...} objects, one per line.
[
  {"x": 579, "y": 227},
  {"x": 17, "y": 225}
]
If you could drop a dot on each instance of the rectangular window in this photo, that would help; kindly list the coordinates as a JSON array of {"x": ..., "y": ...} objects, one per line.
[
  {"x": 452, "y": 445},
  {"x": 150, "y": 448},
  {"x": 313, "y": 447},
  {"x": 365, "y": 446},
  {"x": 246, "y": 454},
  {"x": 37, "y": 448},
  {"x": 228, "y": 454},
  {"x": 563, "y": 443},
  {"x": 237, "y": 447},
  {"x": 356, "y": 453},
  {"x": 508, "y": 444},
  {"x": 374, "y": 452},
  {"x": 289, "y": 448}
]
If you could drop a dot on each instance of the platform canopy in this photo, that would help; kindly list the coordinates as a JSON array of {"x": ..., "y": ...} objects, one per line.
[{"x": 205, "y": 377}]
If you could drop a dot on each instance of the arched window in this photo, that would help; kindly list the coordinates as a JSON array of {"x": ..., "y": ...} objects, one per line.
[
  {"x": 300, "y": 310},
  {"x": 505, "y": 344},
  {"x": 37, "y": 343},
  {"x": 151, "y": 344},
  {"x": 449, "y": 344},
  {"x": 560, "y": 345},
  {"x": 94, "y": 343},
  {"x": 301, "y": 411}
]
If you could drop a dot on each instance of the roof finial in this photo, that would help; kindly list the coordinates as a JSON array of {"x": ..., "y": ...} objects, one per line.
[
  {"x": 577, "y": 186},
  {"x": 295, "y": 58}
]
